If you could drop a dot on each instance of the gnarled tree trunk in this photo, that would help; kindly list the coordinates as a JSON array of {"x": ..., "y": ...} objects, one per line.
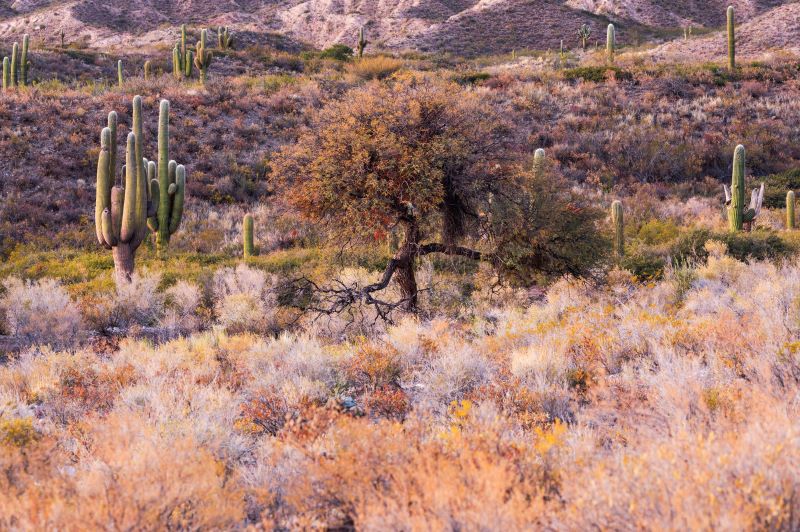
[{"x": 404, "y": 266}]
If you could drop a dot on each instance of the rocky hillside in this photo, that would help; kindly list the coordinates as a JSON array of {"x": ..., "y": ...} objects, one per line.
[{"x": 467, "y": 27}]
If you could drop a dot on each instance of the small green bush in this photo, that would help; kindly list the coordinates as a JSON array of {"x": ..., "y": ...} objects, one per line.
[
  {"x": 757, "y": 245},
  {"x": 777, "y": 185},
  {"x": 597, "y": 74},
  {"x": 471, "y": 78},
  {"x": 644, "y": 266},
  {"x": 339, "y": 52}
]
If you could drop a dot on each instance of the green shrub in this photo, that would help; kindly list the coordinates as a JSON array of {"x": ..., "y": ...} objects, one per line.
[
  {"x": 757, "y": 245},
  {"x": 471, "y": 78},
  {"x": 644, "y": 266},
  {"x": 339, "y": 52},
  {"x": 777, "y": 185},
  {"x": 597, "y": 74},
  {"x": 655, "y": 232}
]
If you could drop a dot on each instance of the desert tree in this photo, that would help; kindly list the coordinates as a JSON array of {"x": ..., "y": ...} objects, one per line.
[{"x": 430, "y": 159}]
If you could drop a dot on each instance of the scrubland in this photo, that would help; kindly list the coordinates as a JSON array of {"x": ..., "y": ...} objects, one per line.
[{"x": 658, "y": 390}]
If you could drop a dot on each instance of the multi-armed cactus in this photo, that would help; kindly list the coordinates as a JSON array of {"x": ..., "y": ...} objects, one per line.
[
  {"x": 224, "y": 38},
  {"x": 619, "y": 229},
  {"x": 6, "y": 73},
  {"x": 202, "y": 56},
  {"x": 24, "y": 64},
  {"x": 731, "y": 39},
  {"x": 123, "y": 214},
  {"x": 182, "y": 57},
  {"x": 611, "y": 42},
  {"x": 738, "y": 217},
  {"x": 584, "y": 33},
  {"x": 362, "y": 43},
  {"x": 171, "y": 185},
  {"x": 247, "y": 236},
  {"x": 790, "y": 210}
]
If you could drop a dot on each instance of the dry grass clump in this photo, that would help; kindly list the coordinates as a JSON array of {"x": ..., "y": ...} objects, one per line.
[
  {"x": 670, "y": 405},
  {"x": 40, "y": 313}
]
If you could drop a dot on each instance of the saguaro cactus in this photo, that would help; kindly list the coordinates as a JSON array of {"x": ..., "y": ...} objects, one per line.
[
  {"x": 247, "y": 236},
  {"x": 790, "y": 210},
  {"x": 738, "y": 217},
  {"x": 202, "y": 57},
  {"x": 731, "y": 39},
  {"x": 619, "y": 229},
  {"x": 611, "y": 42},
  {"x": 119, "y": 72},
  {"x": 6, "y": 73},
  {"x": 177, "y": 64},
  {"x": 584, "y": 33},
  {"x": 14, "y": 65},
  {"x": 171, "y": 185},
  {"x": 362, "y": 43},
  {"x": 123, "y": 214},
  {"x": 224, "y": 38},
  {"x": 24, "y": 63},
  {"x": 147, "y": 68}
]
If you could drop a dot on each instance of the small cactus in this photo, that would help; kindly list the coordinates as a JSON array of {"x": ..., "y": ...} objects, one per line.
[
  {"x": 619, "y": 229},
  {"x": 14, "y": 64},
  {"x": 247, "y": 236},
  {"x": 24, "y": 64},
  {"x": 740, "y": 218},
  {"x": 119, "y": 73},
  {"x": 224, "y": 38},
  {"x": 611, "y": 43},
  {"x": 790, "y": 210},
  {"x": 584, "y": 33},
  {"x": 539, "y": 163},
  {"x": 731, "y": 39},
  {"x": 202, "y": 57},
  {"x": 177, "y": 63},
  {"x": 362, "y": 43},
  {"x": 147, "y": 69},
  {"x": 6, "y": 73},
  {"x": 61, "y": 34}
]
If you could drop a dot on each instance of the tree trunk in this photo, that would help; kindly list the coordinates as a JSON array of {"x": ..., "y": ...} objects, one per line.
[
  {"x": 404, "y": 271},
  {"x": 123, "y": 261}
]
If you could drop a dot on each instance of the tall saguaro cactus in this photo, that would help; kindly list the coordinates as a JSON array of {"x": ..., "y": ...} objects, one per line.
[
  {"x": 731, "y": 39},
  {"x": 24, "y": 63},
  {"x": 171, "y": 185},
  {"x": 247, "y": 236},
  {"x": 147, "y": 68},
  {"x": 790, "y": 210},
  {"x": 619, "y": 229},
  {"x": 611, "y": 43},
  {"x": 740, "y": 217},
  {"x": 362, "y": 43},
  {"x": 584, "y": 33},
  {"x": 119, "y": 73}
]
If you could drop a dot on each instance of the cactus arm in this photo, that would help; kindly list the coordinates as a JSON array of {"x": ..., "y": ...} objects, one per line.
[
  {"x": 112, "y": 147},
  {"x": 727, "y": 194},
  {"x": 183, "y": 41},
  {"x": 759, "y": 200},
  {"x": 108, "y": 229},
  {"x": 24, "y": 64},
  {"x": 103, "y": 186},
  {"x": 188, "y": 63},
  {"x": 128, "y": 229},
  {"x": 6, "y": 73},
  {"x": 117, "y": 200},
  {"x": 177, "y": 199}
]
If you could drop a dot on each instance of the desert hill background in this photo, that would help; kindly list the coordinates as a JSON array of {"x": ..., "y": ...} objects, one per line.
[{"x": 465, "y": 27}]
